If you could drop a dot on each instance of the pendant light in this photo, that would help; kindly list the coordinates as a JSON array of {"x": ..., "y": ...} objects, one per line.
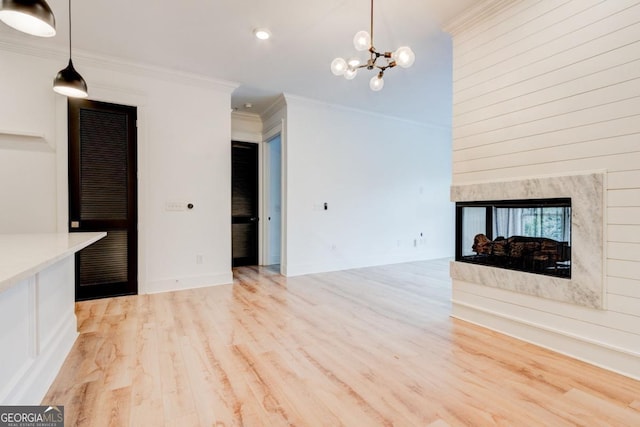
[
  {"x": 29, "y": 16},
  {"x": 403, "y": 57},
  {"x": 69, "y": 82}
]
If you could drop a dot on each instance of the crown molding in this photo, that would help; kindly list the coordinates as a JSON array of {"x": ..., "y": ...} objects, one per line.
[
  {"x": 477, "y": 13},
  {"x": 246, "y": 116},
  {"x": 15, "y": 44},
  {"x": 159, "y": 73},
  {"x": 277, "y": 105},
  {"x": 289, "y": 97}
]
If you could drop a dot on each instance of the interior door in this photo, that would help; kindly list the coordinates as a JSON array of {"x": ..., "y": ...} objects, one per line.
[
  {"x": 103, "y": 196},
  {"x": 244, "y": 203}
]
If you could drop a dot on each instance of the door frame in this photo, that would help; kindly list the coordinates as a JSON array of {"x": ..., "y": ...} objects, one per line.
[
  {"x": 263, "y": 255},
  {"x": 265, "y": 229},
  {"x": 114, "y": 96}
]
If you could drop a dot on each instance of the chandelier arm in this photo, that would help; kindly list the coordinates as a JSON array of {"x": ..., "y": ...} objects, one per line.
[{"x": 385, "y": 67}]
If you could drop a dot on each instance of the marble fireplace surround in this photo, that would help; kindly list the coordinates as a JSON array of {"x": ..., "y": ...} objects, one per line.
[{"x": 586, "y": 286}]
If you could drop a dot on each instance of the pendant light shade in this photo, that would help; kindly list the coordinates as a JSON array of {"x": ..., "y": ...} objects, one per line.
[
  {"x": 29, "y": 16},
  {"x": 69, "y": 82}
]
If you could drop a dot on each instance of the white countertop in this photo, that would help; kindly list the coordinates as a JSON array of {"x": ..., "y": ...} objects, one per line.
[{"x": 23, "y": 255}]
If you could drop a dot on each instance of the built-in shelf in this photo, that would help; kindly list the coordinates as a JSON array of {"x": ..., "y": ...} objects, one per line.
[{"x": 29, "y": 141}]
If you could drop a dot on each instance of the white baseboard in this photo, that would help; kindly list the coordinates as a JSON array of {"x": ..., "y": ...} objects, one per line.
[
  {"x": 182, "y": 283},
  {"x": 608, "y": 357},
  {"x": 40, "y": 372},
  {"x": 352, "y": 263}
]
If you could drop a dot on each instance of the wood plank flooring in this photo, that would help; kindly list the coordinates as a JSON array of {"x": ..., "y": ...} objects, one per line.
[{"x": 365, "y": 347}]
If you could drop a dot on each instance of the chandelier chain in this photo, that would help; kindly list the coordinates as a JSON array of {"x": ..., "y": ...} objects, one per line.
[{"x": 371, "y": 24}]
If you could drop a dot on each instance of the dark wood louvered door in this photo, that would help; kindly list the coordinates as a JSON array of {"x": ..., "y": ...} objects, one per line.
[
  {"x": 244, "y": 203},
  {"x": 103, "y": 196}
]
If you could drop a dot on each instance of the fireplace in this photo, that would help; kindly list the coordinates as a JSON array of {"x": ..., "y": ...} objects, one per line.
[
  {"x": 531, "y": 235},
  {"x": 570, "y": 267}
]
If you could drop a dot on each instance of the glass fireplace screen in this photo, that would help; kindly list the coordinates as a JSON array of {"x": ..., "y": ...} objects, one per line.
[{"x": 533, "y": 236}]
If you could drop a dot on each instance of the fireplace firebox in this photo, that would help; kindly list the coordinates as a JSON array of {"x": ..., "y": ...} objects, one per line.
[{"x": 531, "y": 235}]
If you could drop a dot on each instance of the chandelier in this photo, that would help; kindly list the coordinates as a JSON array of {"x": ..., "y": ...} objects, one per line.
[{"x": 403, "y": 56}]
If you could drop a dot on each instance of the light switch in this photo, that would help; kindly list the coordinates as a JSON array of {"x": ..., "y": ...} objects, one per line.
[{"x": 175, "y": 206}]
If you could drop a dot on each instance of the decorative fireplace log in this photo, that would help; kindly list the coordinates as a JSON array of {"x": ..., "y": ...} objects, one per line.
[{"x": 523, "y": 250}]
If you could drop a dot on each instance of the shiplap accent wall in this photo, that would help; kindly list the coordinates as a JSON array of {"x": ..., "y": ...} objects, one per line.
[{"x": 553, "y": 87}]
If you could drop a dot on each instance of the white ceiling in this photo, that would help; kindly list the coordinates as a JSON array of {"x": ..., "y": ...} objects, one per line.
[{"x": 214, "y": 38}]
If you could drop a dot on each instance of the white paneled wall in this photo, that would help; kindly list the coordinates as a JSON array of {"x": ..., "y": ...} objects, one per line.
[{"x": 553, "y": 87}]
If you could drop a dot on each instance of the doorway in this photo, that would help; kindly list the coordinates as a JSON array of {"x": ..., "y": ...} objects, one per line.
[
  {"x": 103, "y": 196},
  {"x": 273, "y": 201},
  {"x": 244, "y": 203}
]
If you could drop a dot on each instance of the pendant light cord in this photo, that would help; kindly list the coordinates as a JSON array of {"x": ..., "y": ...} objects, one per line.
[{"x": 70, "y": 29}]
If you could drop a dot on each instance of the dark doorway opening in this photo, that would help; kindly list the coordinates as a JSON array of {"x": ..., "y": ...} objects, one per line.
[
  {"x": 244, "y": 203},
  {"x": 103, "y": 196}
]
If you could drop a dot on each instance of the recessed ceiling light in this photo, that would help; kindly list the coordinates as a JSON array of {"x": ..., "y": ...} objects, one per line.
[{"x": 262, "y": 33}]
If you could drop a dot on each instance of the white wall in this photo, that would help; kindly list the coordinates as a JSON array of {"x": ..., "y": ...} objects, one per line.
[
  {"x": 183, "y": 155},
  {"x": 385, "y": 181},
  {"x": 27, "y": 165},
  {"x": 543, "y": 88},
  {"x": 189, "y": 154}
]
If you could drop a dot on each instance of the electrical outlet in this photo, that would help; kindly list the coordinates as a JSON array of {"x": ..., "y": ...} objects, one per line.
[{"x": 199, "y": 259}]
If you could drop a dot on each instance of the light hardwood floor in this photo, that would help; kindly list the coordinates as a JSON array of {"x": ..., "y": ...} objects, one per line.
[{"x": 365, "y": 347}]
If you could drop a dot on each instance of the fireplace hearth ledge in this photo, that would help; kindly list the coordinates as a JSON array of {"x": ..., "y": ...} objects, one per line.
[{"x": 586, "y": 286}]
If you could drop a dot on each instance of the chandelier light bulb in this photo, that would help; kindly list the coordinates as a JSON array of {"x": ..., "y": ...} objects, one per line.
[
  {"x": 353, "y": 62},
  {"x": 376, "y": 83},
  {"x": 350, "y": 73},
  {"x": 362, "y": 41},
  {"x": 404, "y": 56},
  {"x": 338, "y": 66},
  {"x": 262, "y": 33}
]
